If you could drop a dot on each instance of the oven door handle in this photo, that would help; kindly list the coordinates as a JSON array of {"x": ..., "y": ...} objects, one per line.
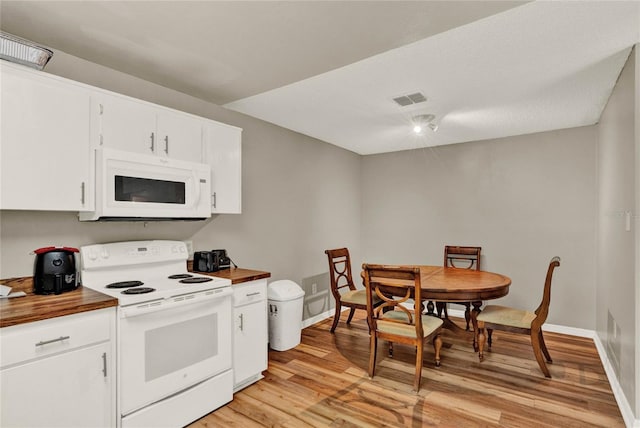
[{"x": 174, "y": 302}]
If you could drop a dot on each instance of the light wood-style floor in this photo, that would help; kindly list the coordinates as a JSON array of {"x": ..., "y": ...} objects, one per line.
[{"x": 323, "y": 382}]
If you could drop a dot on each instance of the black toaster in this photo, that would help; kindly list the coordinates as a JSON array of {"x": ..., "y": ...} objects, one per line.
[
  {"x": 204, "y": 261},
  {"x": 211, "y": 261}
]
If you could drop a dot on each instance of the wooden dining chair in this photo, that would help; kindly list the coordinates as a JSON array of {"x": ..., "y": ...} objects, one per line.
[
  {"x": 394, "y": 322},
  {"x": 343, "y": 289},
  {"x": 461, "y": 258},
  {"x": 495, "y": 317}
]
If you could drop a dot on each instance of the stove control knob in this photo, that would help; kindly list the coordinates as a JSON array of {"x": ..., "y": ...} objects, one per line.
[
  {"x": 92, "y": 255},
  {"x": 104, "y": 254},
  {"x": 175, "y": 249}
]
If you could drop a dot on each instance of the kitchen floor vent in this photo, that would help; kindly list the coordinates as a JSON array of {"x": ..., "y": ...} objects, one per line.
[{"x": 407, "y": 100}]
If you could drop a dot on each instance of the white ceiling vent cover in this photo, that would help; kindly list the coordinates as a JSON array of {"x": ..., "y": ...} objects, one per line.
[{"x": 407, "y": 100}]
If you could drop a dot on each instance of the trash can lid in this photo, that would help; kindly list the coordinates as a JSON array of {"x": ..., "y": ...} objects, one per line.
[{"x": 284, "y": 290}]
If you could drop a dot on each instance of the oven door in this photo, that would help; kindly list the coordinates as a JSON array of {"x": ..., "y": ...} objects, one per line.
[{"x": 163, "y": 352}]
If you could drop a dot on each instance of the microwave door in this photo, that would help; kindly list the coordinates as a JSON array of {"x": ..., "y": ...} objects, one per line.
[
  {"x": 134, "y": 186},
  {"x": 129, "y": 189}
]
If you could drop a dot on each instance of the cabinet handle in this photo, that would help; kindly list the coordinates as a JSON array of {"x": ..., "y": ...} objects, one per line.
[
  {"x": 104, "y": 364},
  {"x": 214, "y": 200},
  {"x": 241, "y": 322},
  {"x": 152, "y": 141},
  {"x": 253, "y": 294},
  {"x": 166, "y": 144},
  {"x": 46, "y": 342},
  {"x": 82, "y": 187}
]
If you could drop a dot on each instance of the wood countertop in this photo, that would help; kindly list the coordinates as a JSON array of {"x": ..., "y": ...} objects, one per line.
[
  {"x": 36, "y": 307},
  {"x": 236, "y": 275}
]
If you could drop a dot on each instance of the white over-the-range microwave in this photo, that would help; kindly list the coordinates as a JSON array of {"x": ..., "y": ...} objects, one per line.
[{"x": 134, "y": 186}]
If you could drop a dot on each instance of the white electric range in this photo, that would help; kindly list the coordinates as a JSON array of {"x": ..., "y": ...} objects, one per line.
[{"x": 174, "y": 333}]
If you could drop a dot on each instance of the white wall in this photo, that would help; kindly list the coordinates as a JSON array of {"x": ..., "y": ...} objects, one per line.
[
  {"x": 616, "y": 284},
  {"x": 522, "y": 199}
]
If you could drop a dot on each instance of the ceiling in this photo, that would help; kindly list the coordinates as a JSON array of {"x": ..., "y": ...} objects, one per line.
[{"x": 330, "y": 69}]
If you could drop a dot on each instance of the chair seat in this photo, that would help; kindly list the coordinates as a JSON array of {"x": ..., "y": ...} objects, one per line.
[
  {"x": 429, "y": 324},
  {"x": 357, "y": 297},
  {"x": 503, "y": 315}
]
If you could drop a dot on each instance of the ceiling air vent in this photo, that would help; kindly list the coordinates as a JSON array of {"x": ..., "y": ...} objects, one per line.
[{"x": 407, "y": 100}]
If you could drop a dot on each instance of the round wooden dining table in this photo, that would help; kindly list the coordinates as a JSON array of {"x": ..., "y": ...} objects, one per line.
[{"x": 448, "y": 284}]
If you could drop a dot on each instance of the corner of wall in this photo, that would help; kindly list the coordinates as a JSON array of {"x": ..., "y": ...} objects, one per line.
[{"x": 636, "y": 53}]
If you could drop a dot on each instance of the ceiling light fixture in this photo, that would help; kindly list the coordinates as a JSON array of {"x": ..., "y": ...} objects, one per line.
[
  {"x": 21, "y": 51},
  {"x": 423, "y": 121}
]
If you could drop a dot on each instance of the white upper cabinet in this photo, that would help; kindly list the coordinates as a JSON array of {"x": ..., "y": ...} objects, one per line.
[
  {"x": 132, "y": 125},
  {"x": 45, "y": 161},
  {"x": 124, "y": 124},
  {"x": 223, "y": 152},
  {"x": 180, "y": 136},
  {"x": 49, "y": 127}
]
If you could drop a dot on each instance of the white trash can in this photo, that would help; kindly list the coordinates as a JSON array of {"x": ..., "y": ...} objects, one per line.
[{"x": 285, "y": 314}]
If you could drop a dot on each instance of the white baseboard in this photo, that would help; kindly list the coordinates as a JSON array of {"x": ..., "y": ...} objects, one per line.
[
  {"x": 623, "y": 404},
  {"x": 621, "y": 399}
]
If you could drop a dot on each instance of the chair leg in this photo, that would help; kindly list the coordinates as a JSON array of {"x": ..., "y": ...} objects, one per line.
[
  {"x": 416, "y": 382},
  {"x": 544, "y": 348},
  {"x": 336, "y": 317},
  {"x": 490, "y": 333},
  {"x": 437, "y": 345},
  {"x": 373, "y": 350},
  {"x": 467, "y": 314},
  {"x": 474, "y": 321},
  {"x": 441, "y": 307},
  {"x": 481, "y": 340},
  {"x": 351, "y": 312},
  {"x": 368, "y": 325},
  {"x": 537, "y": 351},
  {"x": 391, "y": 349}
]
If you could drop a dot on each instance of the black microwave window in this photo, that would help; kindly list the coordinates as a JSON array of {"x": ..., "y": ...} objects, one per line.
[{"x": 135, "y": 189}]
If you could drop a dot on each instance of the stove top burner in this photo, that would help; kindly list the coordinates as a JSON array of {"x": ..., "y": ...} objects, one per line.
[
  {"x": 180, "y": 276},
  {"x": 195, "y": 280},
  {"x": 138, "y": 290},
  {"x": 125, "y": 284}
]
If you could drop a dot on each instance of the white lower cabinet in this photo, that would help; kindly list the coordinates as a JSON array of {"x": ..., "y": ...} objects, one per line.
[
  {"x": 59, "y": 372},
  {"x": 250, "y": 334}
]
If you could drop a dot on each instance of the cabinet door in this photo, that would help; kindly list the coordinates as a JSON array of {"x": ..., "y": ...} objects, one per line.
[
  {"x": 224, "y": 155},
  {"x": 125, "y": 124},
  {"x": 250, "y": 341},
  {"x": 44, "y": 144},
  {"x": 72, "y": 389},
  {"x": 180, "y": 136}
]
